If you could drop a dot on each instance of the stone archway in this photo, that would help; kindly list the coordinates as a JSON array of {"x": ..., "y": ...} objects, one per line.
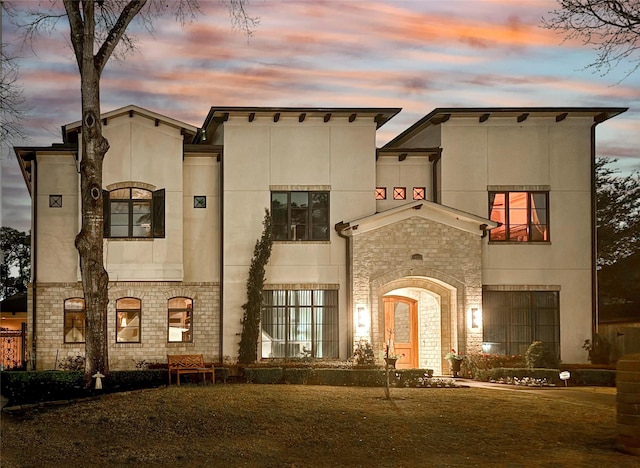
[{"x": 440, "y": 313}]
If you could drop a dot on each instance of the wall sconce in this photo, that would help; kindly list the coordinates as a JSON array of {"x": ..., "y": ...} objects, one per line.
[
  {"x": 362, "y": 312},
  {"x": 476, "y": 317}
]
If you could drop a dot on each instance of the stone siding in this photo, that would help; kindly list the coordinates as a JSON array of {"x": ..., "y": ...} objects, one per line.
[
  {"x": 447, "y": 269},
  {"x": 154, "y": 345}
]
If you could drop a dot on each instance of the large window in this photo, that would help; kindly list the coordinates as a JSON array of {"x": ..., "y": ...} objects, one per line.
[
  {"x": 512, "y": 320},
  {"x": 128, "y": 315},
  {"x": 300, "y": 215},
  {"x": 524, "y": 216},
  {"x": 180, "y": 320},
  {"x": 300, "y": 324},
  {"x": 75, "y": 319},
  {"x": 133, "y": 212}
]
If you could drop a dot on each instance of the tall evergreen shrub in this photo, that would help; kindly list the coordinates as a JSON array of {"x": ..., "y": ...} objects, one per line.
[{"x": 253, "y": 307}]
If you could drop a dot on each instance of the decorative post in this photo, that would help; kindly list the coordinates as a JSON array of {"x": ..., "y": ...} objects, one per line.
[
  {"x": 98, "y": 376},
  {"x": 387, "y": 395}
]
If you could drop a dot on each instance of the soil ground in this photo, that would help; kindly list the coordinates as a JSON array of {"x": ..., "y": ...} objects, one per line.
[{"x": 307, "y": 426}]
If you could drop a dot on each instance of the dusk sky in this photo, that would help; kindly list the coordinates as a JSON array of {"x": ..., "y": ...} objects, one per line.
[{"x": 416, "y": 55}]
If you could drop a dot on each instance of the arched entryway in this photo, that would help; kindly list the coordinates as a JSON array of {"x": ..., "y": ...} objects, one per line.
[{"x": 423, "y": 314}]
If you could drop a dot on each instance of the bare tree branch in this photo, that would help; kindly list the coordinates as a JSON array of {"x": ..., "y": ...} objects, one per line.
[
  {"x": 612, "y": 27},
  {"x": 13, "y": 106},
  {"x": 102, "y": 25}
]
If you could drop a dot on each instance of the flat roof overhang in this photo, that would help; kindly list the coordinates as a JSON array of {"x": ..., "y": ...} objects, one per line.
[
  {"x": 441, "y": 115},
  {"x": 218, "y": 115},
  {"x": 27, "y": 154}
]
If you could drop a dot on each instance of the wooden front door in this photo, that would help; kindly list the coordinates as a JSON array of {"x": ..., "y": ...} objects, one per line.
[{"x": 401, "y": 316}]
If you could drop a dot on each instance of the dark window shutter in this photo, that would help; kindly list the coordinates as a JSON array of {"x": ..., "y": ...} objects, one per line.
[
  {"x": 106, "y": 214},
  {"x": 158, "y": 213}
]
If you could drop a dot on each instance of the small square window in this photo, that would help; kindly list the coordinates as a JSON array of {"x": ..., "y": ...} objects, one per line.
[
  {"x": 399, "y": 193},
  {"x": 200, "y": 201},
  {"x": 418, "y": 193},
  {"x": 55, "y": 201},
  {"x": 381, "y": 193}
]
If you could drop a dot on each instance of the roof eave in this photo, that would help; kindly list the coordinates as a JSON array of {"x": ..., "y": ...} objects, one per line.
[
  {"x": 133, "y": 110},
  {"x": 446, "y": 215},
  {"x": 442, "y": 114},
  {"x": 219, "y": 115}
]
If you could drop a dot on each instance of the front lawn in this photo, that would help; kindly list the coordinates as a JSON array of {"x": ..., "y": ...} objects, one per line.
[{"x": 296, "y": 425}]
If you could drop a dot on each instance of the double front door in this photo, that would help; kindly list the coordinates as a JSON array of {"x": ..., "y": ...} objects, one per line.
[{"x": 401, "y": 327}]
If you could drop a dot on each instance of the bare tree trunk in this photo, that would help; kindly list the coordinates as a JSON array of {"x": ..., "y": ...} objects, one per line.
[{"x": 95, "y": 280}]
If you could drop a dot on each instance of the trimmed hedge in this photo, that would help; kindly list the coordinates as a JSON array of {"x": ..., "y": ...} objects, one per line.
[
  {"x": 337, "y": 377},
  {"x": 585, "y": 377},
  {"x": 35, "y": 387}
]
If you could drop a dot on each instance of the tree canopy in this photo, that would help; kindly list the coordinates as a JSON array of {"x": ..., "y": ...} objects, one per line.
[
  {"x": 618, "y": 213},
  {"x": 16, "y": 264}
]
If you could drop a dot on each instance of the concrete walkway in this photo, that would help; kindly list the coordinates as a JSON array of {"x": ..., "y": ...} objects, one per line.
[{"x": 605, "y": 396}]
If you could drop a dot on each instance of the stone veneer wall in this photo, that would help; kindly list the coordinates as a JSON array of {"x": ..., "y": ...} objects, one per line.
[
  {"x": 450, "y": 269},
  {"x": 154, "y": 345}
]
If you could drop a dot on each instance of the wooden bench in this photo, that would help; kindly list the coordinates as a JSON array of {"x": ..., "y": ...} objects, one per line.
[{"x": 189, "y": 364}]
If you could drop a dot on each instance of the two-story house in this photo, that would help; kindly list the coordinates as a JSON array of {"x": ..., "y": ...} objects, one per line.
[{"x": 473, "y": 230}]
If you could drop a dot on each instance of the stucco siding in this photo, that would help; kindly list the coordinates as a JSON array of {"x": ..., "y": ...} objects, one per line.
[{"x": 57, "y": 227}]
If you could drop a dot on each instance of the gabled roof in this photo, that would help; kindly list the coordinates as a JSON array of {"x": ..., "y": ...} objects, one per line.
[
  {"x": 219, "y": 115},
  {"x": 423, "y": 209},
  {"x": 70, "y": 131},
  {"x": 442, "y": 114}
]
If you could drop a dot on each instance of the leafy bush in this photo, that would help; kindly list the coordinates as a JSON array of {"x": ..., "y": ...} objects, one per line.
[
  {"x": 595, "y": 377},
  {"x": 35, "y": 387},
  {"x": 338, "y": 377},
  {"x": 540, "y": 356},
  {"x": 72, "y": 363},
  {"x": 487, "y": 375},
  {"x": 363, "y": 355},
  {"x": 299, "y": 376},
  {"x": 475, "y": 362},
  {"x": 598, "y": 350},
  {"x": 264, "y": 375},
  {"x": 413, "y": 377},
  {"x": 348, "y": 377}
]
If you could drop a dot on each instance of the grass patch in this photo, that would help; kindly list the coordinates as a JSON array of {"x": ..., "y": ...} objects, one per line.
[{"x": 296, "y": 425}]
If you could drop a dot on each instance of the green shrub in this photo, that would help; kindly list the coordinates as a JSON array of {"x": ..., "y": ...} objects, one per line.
[
  {"x": 551, "y": 375},
  {"x": 34, "y": 387},
  {"x": 363, "y": 355},
  {"x": 221, "y": 374},
  {"x": 598, "y": 350},
  {"x": 412, "y": 377},
  {"x": 475, "y": 362},
  {"x": 540, "y": 356},
  {"x": 120, "y": 381},
  {"x": 298, "y": 376},
  {"x": 72, "y": 363},
  {"x": 596, "y": 377},
  {"x": 264, "y": 375},
  {"x": 41, "y": 386},
  {"x": 348, "y": 377}
]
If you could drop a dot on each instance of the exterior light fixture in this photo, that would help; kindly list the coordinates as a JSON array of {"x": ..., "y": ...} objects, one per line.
[
  {"x": 476, "y": 317},
  {"x": 361, "y": 316}
]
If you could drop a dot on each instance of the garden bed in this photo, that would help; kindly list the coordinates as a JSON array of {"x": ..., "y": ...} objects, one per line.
[{"x": 581, "y": 377}]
